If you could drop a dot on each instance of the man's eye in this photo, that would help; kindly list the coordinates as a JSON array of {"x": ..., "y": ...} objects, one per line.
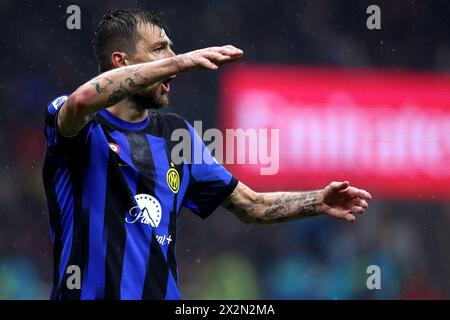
[{"x": 157, "y": 49}]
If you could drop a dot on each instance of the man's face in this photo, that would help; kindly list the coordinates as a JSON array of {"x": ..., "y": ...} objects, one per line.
[{"x": 153, "y": 45}]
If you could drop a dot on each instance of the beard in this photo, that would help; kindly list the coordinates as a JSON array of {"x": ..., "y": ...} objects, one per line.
[{"x": 151, "y": 98}]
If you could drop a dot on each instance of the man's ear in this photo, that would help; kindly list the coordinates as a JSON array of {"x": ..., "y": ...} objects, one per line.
[{"x": 119, "y": 59}]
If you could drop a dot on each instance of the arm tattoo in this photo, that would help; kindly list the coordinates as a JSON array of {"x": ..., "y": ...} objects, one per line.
[
  {"x": 118, "y": 94},
  {"x": 130, "y": 69},
  {"x": 272, "y": 207},
  {"x": 104, "y": 85},
  {"x": 289, "y": 205},
  {"x": 101, "y": 84},
  {"x": 242, "y": 207},
  {"x": 132, "y": 81}
]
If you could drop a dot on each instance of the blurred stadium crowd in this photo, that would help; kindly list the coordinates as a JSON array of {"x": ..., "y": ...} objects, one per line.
[{"x": 221, "y": 258}]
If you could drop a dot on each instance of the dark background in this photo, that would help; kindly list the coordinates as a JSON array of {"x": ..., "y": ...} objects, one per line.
[{"x": 220, "y": 257}]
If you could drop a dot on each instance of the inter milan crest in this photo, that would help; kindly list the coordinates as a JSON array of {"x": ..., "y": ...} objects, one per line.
[{"x": 173, "y": 178}]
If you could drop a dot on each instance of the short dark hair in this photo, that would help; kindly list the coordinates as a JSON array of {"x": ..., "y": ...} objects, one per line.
[{"x": 118, "y": 31}]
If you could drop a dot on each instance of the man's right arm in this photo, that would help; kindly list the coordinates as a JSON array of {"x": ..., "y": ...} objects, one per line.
[{"x": 115, "y": 85}]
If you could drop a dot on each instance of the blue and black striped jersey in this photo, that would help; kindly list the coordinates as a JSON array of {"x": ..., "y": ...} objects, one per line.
[{"x": 114, "y": 195}]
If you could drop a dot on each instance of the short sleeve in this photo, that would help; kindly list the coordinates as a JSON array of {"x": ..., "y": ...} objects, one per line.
[
  {"x": 56, "y": 143},
  {"x": 210, "y": 183}
]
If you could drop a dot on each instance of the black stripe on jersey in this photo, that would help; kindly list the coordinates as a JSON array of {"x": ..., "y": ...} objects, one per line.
[
  {"x": 155, "y": 284},
  {"x": 116, "y": 207},
  {"x": 79, "y": 252},
  {"x": 55, "y": 222},
  {"x": 171, "y": 260},
  {"x": 173, "y": 122},
  {"x": 80, "y": 238}
]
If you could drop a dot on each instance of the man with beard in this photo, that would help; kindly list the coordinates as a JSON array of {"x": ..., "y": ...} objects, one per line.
[{"x": 113, "y": 191}]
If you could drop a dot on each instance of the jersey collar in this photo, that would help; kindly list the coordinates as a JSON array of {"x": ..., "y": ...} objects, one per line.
[{"x": 124, "y": 124}]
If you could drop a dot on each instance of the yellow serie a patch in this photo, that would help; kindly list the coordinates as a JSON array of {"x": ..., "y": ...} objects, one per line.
[{"x": 173, "y": 178}]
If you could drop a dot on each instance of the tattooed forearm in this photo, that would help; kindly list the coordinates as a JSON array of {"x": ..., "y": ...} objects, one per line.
[
  {"x": 132, "y": 82},
  {"x": 131, "y": 68},
  {"x": 106, "y": 85},
  {"x": 275, "y": 207},
  {"x": 243, "y": 204},
  {"x": 118, "y": 94},
  {"x": 111, "y": 87},
  {"x": 101, "y": 84},
  {"x": 287, "y": 206}
]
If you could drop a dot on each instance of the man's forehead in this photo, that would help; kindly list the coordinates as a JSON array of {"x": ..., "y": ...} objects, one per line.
[{"x": 151, "y": 33}]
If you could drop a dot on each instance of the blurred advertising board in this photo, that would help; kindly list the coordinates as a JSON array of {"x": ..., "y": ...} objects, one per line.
[{"x": 387, "y": 131}]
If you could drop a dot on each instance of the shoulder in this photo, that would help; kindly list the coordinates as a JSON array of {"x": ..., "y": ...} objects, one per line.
[
  {"x": 56, "y": 104},
  {"x": 171, "y": 121},
  {"x": 173, "y": 117},
  {"x": 52, "y": 110}
]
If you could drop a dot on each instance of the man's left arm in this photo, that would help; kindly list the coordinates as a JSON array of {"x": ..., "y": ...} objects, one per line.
[{"x": 338, "y": 199}]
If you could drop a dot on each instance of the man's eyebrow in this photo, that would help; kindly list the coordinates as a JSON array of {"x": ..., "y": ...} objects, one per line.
[{"x": 162, "y": 42}]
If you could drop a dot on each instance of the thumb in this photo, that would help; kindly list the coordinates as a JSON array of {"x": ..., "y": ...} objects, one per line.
[{"x": 337, "y": 186}]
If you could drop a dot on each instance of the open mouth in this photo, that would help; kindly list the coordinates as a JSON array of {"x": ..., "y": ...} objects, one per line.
[{"x": 166, "y": 84}]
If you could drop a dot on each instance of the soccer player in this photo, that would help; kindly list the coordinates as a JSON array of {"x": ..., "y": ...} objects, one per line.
[{"x": 113, "y": 191}]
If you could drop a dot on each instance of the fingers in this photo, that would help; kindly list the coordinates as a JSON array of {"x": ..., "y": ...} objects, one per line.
[
  {"x": 357, "y": 209},
  {"x": 337, "y": 186},
  {"x": 208, "y": 64},
  {"x": 216, "y": 56},
  {"x": 350, "y": 217},
  {"x": 209, "y": 58},
  {"x": 345, "y": 201},
  {"x": 221, "y": 55},
  {"x": 231, "y": 51},
  {"x": 360, "y": 193},
  {"x": 355, "y": 192},
  {"x": 360, "y": 203}
]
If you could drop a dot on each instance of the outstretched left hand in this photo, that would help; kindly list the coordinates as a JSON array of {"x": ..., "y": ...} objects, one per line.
[{"x": 342, "y": 201}]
